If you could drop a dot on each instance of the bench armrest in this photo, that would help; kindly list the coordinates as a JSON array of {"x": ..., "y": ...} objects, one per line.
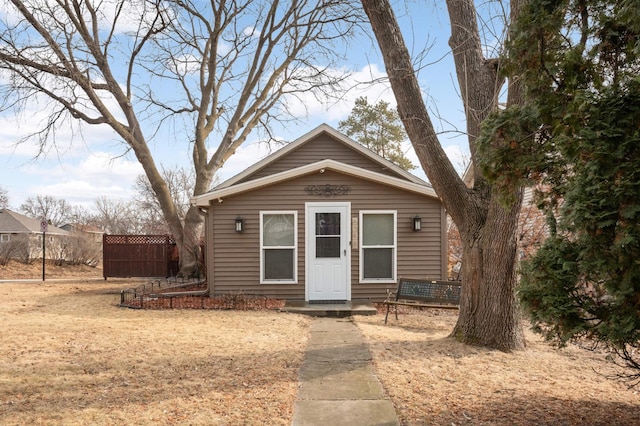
[{"x": 391, "y": 296}]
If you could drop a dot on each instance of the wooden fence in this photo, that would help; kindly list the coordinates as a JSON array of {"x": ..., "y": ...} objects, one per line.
[{"x": 139, "y": 256}]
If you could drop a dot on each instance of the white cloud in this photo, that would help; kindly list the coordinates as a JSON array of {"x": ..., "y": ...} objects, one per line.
[
  {"x": 369, "y": 81},
  {"x": 83, "y": 193},
  {"x": 80, "y": 183},
  {"x": 459, "y": 156},
  {"x": 249, "y": 31},
  {"x": 69, "y": 137},
  {"x": 244, "y": 157}
]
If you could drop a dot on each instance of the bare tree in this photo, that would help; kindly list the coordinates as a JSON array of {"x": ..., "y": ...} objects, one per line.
[
  {"x": 222, "y": 69},
  {"x": 487, "y": 224},
  {"x": 115, "y": 216},
  {"x": 4, "y": 198},
  {"x": 180, "y": 182},
  {"x": 57, "y": 211},
  {"x": 15, "y": 248}
]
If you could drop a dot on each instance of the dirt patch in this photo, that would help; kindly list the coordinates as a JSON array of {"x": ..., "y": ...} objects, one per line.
[{"x": 434, "y": 380}]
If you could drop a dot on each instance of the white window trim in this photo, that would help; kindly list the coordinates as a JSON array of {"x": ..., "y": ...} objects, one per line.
[
  {"x": 5, "y": 238},
  {"x": 294, "y": 247},
  {"x": 394, "y": 265}
]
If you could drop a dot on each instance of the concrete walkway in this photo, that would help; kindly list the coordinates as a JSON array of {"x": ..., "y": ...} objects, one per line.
[{"x": 337, "y": 382}]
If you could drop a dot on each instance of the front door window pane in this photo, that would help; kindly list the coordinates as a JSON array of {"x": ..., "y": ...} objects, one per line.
[
  {"x": 327, "y": 223},
  {"x": 327, "y": 235},
  {"x": 327, "y": 247}
]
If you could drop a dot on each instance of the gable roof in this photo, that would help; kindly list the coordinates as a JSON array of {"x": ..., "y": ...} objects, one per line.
[
  {"x": 16, "y": 223},
  {"x": 242, "y": 182},
  {"x": 309, "y": 136},
  {"x": 219, "y": 192}
]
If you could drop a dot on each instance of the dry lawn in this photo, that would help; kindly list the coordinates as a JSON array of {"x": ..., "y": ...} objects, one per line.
[
  {"x": 69, "y": 355},
  {"x": 433, "y": 380},
  {"x": 20, "y": 271}
]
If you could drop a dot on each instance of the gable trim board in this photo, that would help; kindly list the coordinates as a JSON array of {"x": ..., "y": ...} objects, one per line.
[
  {"x": 277, "y": 186},
  {"x": 219, "y": 193}
]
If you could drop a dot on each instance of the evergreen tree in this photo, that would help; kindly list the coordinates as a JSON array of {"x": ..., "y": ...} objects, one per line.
[
  {"x": 379, "y": 128},
  {"x": 578, "y": 134}
]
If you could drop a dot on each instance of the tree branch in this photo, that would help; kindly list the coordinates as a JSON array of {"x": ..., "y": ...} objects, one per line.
[{"x": 413, "y": 113}]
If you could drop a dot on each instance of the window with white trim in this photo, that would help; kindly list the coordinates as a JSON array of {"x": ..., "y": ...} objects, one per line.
[
  {"x": 378, "y": 246},
  {"x": 5, "y": 238},
  {"x": 278, "y": 247}
]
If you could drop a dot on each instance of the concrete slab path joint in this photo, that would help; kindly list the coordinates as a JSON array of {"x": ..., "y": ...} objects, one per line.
[{"x": 337, "y": 384}]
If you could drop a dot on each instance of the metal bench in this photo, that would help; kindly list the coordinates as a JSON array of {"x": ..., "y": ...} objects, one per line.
[{"x": 424, "y": 294}]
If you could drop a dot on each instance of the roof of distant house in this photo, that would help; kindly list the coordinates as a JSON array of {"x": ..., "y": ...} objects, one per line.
[
  {"x": 16, "y": 223},
  {"x": 80, "y": 227}
]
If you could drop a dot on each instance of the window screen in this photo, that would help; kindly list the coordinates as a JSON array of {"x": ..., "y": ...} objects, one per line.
[
  {"x": 278, "y": 246},
  {"x": 378, "y": 250}
]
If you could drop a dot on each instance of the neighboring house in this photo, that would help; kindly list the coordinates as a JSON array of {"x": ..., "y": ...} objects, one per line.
[
  {"x": 21, "y": 238},
  {"x": 322, "y": 219},
  {"x": 93, "y": 233}
]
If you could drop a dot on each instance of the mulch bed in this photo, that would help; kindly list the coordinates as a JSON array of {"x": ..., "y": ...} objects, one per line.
[{"x": 239, "y": 302}]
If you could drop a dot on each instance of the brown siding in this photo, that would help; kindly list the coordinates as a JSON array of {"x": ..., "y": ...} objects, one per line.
[
  {"x": 235, "y": 258},
  {"x": 321, "y": 148}
]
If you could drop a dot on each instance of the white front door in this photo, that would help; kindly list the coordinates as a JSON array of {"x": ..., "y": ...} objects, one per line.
[{"x": 327, "y": 251}]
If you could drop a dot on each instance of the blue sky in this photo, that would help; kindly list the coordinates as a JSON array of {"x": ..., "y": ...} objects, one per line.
[{"x": 88, "y": 161}]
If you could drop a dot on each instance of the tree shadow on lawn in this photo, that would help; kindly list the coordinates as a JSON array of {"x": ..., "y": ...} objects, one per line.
[
  {"x": 535, "y": 409},
  {"x": 436, "y": 380}
]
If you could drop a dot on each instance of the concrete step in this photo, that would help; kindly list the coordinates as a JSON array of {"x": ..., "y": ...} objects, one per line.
[{"x": 338, "y": 310}]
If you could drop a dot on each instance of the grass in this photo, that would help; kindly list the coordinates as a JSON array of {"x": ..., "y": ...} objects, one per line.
[{"x": 69, "y": 355}]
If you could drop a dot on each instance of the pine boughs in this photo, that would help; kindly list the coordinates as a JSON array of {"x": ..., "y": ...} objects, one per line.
[
  {"x": 578, "y": 139},
  {"x": 378, "y": 127}
]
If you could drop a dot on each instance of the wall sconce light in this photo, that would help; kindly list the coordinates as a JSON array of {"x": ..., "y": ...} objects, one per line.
[
  {"x": 417, "y": 223},
  {"x": 239, "y": 224}
]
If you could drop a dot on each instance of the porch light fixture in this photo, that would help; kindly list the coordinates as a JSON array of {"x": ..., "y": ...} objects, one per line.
[
  {"x": 417, "y": 223},
  {"x": 239, "y": 224}
]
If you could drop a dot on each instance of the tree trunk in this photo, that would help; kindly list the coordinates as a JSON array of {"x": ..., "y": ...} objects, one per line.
[
  {"x": 189, "y": 244},
  {"x": 488, "y": 313},
  {"x": 488, "y": 307}
]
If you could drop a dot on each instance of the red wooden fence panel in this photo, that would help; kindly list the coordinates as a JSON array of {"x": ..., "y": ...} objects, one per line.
[{"x": 139, "y": 256}]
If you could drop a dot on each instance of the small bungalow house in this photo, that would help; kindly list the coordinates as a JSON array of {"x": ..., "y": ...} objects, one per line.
[{"x": 322, "y": 219}]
